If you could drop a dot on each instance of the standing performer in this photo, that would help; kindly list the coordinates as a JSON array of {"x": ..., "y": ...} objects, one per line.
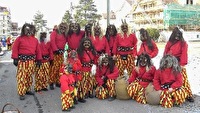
[
  {"x": 58, "y": 39},
  {"x": 67, "y": 82},
  {"x": 106, "y": 76},
  {"x": 148, "y": 45},
  {"x": 140, "y": 78},
  {"x": 74, "y": 36},
  {"x": 111, "y": 34},
  {"x": 99, "y": 41},
  {"x": 88, "y": 58},
  {"x": 42, "y": 72},
  {"x": 25, "y": 53},
  {"x": 169, "y": 80},
  {"x": 178, "y": 47},
  {"x": 88, "y": 30},
  {"x": 125, "y": 49}
]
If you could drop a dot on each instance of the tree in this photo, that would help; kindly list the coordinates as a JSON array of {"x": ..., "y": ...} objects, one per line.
[
  {"x": 39, "y": 22},
  {"x": 86, "y": 12},
  {"x": 67, "y": 17}
]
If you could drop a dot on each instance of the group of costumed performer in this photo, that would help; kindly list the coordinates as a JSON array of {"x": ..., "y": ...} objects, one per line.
[
  {"x": 125, "y": 49},
  {"x": 169, "y": 80},
  {"x": 58, "y": 39},
  {"x": 26, "y": 55},
  {"x": 106, "y": 76},
  {"x": 142, "y": 75},
  {"x": 42, "y": 72}
]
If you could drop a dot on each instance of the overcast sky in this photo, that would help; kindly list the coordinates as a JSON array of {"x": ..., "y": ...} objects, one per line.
[{"x": 23, "y": 10}]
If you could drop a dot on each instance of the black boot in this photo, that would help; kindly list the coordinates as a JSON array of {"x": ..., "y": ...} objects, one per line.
[
  {"x": 21, "y": 97},
  {"x": 82, "y": 100},
  {"x": 51, "y": 86},
  {"x": 111, "y": 98},
  {"x": 57, "y": 85},
  {"x": 190, "y": 99},
  {"x": 75, "y": 101},
  {"x": 29, "y": 93}
]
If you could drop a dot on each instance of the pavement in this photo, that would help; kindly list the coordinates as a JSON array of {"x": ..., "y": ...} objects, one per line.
[{"x": 49, "y": 102}]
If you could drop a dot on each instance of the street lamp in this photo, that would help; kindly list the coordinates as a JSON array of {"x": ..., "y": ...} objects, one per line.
[{"x": 108, "y": 12}]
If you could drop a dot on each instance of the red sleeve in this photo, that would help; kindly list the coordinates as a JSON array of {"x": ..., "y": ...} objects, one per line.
[
  {"x": 98, "y": 77},
  {"x": 132, "y": 77},
  {"x": 107, "y": 47},
  {"x": 179, "y": 81},
  {"x": 114, "y": 50},
  {"x": 155, "y": 50},
  {"x": 184, "y": 55},
  {"x": 114, "y": 75},
  {"x": 64, "y": 83},
  {"x": 15, "y": 47},
  {"x": 156, "y": 80},
  {"x": 167, "y": 48},
  {"x": 53, "y": 40},
  {"x": 135, "y": 45},
  {"x": 38, "y": 52},
  {"x": 51, "y": 53}
]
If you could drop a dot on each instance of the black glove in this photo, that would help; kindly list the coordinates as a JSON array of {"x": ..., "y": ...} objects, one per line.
[
  {"x": 56, "y": 52},
  {"x": 38, "y": 63},
  {"x": 104, "y": 85},
  {"x": 105, "y": 79},
  {"x": 51, "y": 62},
  {"x": 15, "y": 62}
]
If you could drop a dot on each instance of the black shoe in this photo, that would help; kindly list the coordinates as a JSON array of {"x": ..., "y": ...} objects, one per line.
[
  {"x": 51, "y": 87},
  {"x": 111, "y": 98},
  {"x": 190, "y": 99},
  {"x": 57, "y": 85},
  {"x": 73, "y": 107},
  {"x": 75, "y": 101},
  {"x": 82, "y": 100},
  {"x": 22, "y": 97},
  {"x": 91, "y": 96},
  {"x": 44, "y": 89},
  {"x": 29, "y": 93},
  {"x": 37, "y": 90},
  {"x": 68, "y": 110}
]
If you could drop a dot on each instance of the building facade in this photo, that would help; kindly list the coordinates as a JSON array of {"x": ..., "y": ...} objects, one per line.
[
  {"x": 157, "y": 13},
  {"x": 5, "y": 22}
]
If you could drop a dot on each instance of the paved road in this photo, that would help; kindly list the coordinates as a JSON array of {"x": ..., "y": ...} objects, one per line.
[{"x": 49, "y": 102}]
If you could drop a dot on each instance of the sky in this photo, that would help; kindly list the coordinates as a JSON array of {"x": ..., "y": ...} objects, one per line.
[{"x": 53, "y": 10}]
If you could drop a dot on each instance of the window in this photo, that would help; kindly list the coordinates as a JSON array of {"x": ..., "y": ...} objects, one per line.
[{"x": 189, "y": 1}]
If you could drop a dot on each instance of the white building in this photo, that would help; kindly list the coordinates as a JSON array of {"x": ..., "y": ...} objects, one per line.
[{"x": 5, "y": 22}]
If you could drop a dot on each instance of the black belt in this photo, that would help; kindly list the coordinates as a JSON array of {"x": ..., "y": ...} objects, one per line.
[
  {"x": 121, "y": 48},
  {"x": 87, "y": 64},
  {"x": 61, "y": 51},
  {"x": 100, "y": 52},
  {"x": 166, "y": 86},
  {"x": 26, "y": 57},
  {"x": 45, "y": 57},
  {"x": 144, "y": 80}
]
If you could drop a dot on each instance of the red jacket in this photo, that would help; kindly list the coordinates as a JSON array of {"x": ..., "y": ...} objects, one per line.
[
  {"x": 46, "y": 50},
  {"x": 101, "y": 44},
  {"x": 67, "y": 81},
  {"x": 77, "y": 66},
  {"x": 179, "y": 50},
  {"x": 87, "y": 59},
  {"x": 167, "y": 76},
  {"x": 58, "y": 41},
  {"x": 100, "y": 73},
  {"x": 125, "y": 41},
  {"x": 74, "y": 40},
  {"x": 144, "y": 48},
  {"x": 26, "y": 46},
  {"x": 143, "y": 75}
]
